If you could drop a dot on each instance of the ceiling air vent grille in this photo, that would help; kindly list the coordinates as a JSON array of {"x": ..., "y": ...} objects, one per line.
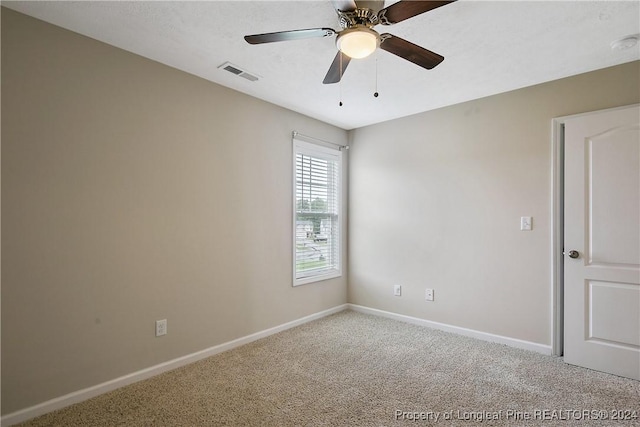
[{"x": 227, "y": 66}]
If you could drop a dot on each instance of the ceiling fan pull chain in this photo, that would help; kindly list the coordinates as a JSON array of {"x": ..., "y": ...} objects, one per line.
[
  {"x": 340, "y": 82},
  {"x": 375, "y": 94}
]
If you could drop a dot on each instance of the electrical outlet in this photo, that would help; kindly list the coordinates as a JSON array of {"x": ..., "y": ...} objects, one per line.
[
  {"x": 161, "y": 327},
  {"x": 397, "y": 290},
  {"x": 428, "y": 294}
]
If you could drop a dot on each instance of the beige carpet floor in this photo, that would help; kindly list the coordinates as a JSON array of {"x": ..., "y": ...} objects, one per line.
[{"x": 352, "y": 369}]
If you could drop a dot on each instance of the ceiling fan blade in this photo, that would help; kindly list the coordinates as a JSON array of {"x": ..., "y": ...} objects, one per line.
[
  {"x": 335, "y": 73},
  {"x": 289, "y": 35},
  {"x": 405, "y": 9},
  {"x": 344, "y": 5},
  {"x": 409, "y": 51}
]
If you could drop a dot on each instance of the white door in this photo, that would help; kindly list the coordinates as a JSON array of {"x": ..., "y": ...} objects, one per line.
[{"x": 602, "y": 241}]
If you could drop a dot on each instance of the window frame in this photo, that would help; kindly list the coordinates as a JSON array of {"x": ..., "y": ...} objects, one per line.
[{"x": 322, "y": 151}]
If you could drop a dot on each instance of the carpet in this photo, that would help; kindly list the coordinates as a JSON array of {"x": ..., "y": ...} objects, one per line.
[{"x": 354, "y": 369}]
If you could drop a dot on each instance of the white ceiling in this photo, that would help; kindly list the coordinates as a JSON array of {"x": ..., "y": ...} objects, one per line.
[{"x": 489, "y": 47}]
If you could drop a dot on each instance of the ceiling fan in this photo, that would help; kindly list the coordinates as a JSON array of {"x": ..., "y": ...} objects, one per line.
[{"x": 358, "y": 39}]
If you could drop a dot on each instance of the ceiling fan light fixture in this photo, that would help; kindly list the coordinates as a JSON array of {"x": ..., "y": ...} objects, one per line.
[{"x": 358, "y": 42}]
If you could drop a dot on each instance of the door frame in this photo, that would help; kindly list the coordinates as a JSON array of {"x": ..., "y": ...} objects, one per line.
[{"x": 557, "y": 226}]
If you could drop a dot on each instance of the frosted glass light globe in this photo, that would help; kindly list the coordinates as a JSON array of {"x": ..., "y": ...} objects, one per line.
[{"x": 358, "y": 42}]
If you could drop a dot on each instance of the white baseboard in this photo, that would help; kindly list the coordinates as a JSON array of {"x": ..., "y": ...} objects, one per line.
[
  {"x": 88, "y": 393},
  {"x": 512, "y": 342}
]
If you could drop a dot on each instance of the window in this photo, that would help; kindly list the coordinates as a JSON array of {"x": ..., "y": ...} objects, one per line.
[{"x": 316, "y": 212}]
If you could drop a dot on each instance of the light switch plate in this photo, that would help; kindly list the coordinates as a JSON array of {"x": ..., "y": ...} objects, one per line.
[{"x": 526, "y": 223}]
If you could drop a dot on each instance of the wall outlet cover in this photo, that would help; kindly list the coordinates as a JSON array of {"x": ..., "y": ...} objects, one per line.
[
  {"x": 428, "y": 294},
  {"x": 161, "y": 327}
]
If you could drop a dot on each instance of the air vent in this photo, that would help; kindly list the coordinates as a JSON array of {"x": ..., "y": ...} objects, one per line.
[{"x": 227, "y": 66}]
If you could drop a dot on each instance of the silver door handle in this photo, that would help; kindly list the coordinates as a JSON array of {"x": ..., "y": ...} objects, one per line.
[{"x": 573, "y": 254}]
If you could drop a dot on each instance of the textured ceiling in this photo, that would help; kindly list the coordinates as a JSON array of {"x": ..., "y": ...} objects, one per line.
[{"x": 489, "y": 47}]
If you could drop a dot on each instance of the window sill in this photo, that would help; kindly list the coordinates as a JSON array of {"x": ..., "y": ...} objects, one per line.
[{"x": 316, "y": 278}]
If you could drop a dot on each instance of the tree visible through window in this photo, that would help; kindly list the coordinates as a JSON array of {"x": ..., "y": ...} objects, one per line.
[{"x": 317, "y": 212}]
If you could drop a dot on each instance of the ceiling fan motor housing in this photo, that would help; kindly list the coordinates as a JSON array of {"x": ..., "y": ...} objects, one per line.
[{"x": 365, "y": 17}]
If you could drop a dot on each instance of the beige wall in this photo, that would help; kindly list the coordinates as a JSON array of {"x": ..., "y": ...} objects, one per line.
[
  {"x": 436, "y": 200},
  {"x": 133, "y": 192}
]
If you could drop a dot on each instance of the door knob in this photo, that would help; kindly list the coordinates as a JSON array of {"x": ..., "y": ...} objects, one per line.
[{"x": 573, "y": 254}]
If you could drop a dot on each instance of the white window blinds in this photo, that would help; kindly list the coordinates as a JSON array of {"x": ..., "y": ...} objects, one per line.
[{"x": 316, "y": 212}]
